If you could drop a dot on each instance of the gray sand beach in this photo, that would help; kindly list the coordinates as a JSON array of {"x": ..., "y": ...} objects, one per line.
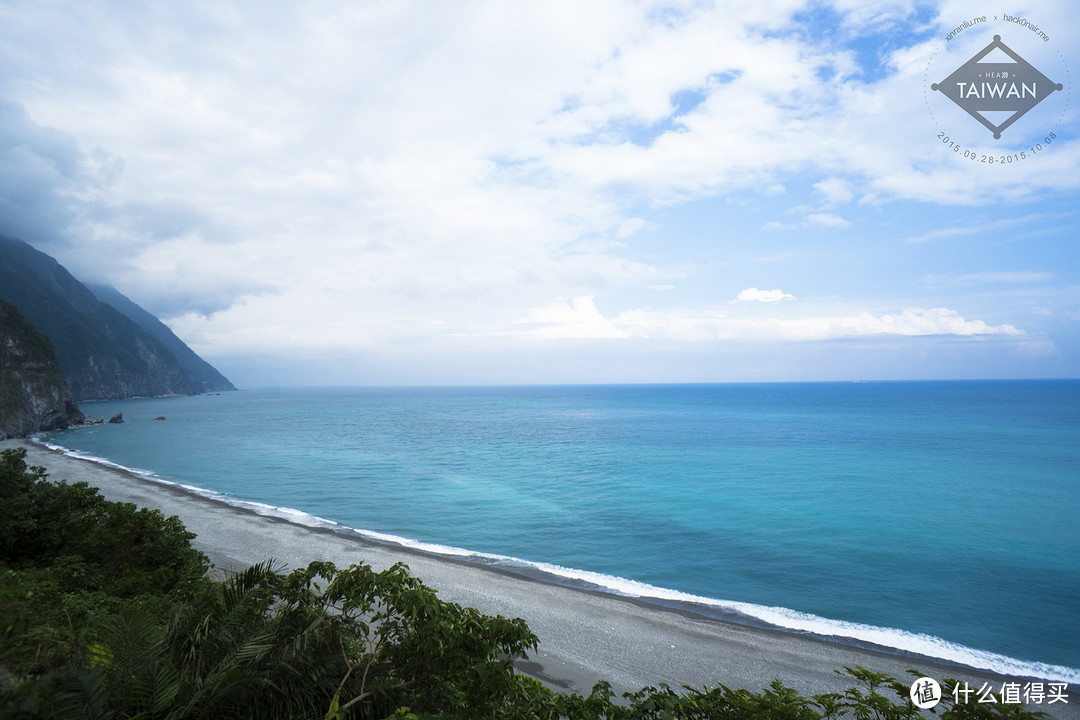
[{"x": 584, "y": 636}]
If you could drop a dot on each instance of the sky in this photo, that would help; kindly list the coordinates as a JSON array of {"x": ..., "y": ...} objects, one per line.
[{"x": 490, "y": 192}]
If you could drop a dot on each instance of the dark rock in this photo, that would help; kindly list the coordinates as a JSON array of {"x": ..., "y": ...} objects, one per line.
[
  {"x": 33, "y": 394},
  {"x": 160, "y": 417},
  {"x": 117, "y": 418}
]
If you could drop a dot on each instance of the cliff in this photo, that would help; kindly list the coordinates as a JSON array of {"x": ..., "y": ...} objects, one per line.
[
  {"x": 102, "y": 353},
  {"x": 205, "y": 376},
  {"x": 33, "y": 395}
]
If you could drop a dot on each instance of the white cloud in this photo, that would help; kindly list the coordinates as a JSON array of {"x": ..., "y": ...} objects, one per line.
[
  {"x": 911, "y": 322},
  {"x": 983, "y": 228},
  {"x": 367, "y": 176},
  {"x": 836, "y": 190},
  {"x": 580, "y": 319},
  {"x": 827, "y": 220},
  {"x": 813, "y": 327},
  {"x": 632, "y": 226},
  {"x": 1014, "y": 277},
  {"x": 766, "y": 296},
  {"x": 810, "y": 220},
  {"x": 577, "y": 319}
]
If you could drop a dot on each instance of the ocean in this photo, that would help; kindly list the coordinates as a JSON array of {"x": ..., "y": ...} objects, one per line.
[{"x": 937, "y": 518}]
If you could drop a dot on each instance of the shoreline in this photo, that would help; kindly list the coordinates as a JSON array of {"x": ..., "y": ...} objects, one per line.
[{"x": 586, "y": 634}]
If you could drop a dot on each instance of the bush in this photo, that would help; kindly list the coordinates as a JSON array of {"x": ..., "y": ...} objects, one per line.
[{"x": 69, "y": 557}]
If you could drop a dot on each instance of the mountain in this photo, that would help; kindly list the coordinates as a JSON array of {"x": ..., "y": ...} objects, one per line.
[
  {"x": 210, "y": 380},
  {"x": 33, "y": 394},
  {"x": 103, "y": 353}
]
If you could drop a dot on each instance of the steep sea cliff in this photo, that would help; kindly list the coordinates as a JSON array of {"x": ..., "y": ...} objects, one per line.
[{"x": 33, "y": 395}]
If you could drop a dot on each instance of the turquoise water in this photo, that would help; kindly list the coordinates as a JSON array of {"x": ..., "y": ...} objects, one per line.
[{"x": 936, "y": 517}]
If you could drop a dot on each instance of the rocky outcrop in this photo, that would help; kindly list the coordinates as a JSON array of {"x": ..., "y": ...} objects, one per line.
[
  {"x": 103, "y": 353},
  {"x": 33, "y": 394}
]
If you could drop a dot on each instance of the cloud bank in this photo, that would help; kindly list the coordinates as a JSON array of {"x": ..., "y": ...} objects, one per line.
[
  {"x": 281, "y": 179},
  {"x": 580, "y": 318}
]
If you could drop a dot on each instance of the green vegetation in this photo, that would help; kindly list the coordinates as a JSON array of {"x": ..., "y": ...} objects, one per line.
[
  {"x": 69, "y": 558},
  {"x": 106, "y": 612},
  {"x": 37, "y": 348},
  {"x": 24, "y": 353}
]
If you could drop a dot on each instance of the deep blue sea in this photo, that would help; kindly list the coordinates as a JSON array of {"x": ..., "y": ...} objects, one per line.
[{"x": 935, "y": 517}]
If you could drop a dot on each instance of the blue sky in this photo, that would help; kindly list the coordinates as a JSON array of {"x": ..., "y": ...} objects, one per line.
[{"x": 494, "y": 192}]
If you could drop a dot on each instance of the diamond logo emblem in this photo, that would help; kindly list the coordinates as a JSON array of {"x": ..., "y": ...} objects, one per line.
[{"x": 996, "y": 87}]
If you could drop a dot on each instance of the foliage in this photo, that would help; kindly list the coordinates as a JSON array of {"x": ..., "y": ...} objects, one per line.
[
  {"x": 312, "y": 643},
  {"x": 69, "y": 556},
  {"x": 36, "y": 346},
  {"x": 863, "y": 701},
  {"x": 33, "y": 394},
  {"x": 316, "y": 642}
]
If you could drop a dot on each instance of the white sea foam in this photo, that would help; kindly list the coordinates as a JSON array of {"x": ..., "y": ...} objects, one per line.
[
  {"x": 793, "y": 620},
  {"x": 779, "y": 617},
  {"x": 292, "y": 515}
]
